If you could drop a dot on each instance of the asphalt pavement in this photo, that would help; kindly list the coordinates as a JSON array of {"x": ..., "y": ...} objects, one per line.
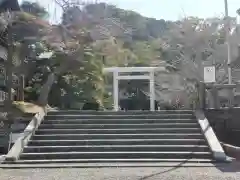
[{"x": 221, "y": 172}]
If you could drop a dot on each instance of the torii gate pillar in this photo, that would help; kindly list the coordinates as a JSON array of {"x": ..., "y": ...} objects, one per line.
[{"x": 116, "y": 77}]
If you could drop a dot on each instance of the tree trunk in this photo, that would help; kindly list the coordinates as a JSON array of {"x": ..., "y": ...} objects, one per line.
[
  {"x": 43, "y": 97},
  {"x": 9, "y": 68}
]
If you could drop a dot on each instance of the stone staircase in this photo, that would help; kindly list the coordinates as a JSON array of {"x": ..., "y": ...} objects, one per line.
[{"x": 74, "y": 138}]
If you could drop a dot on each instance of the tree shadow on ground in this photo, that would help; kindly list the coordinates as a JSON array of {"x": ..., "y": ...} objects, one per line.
[
  {"x": 180, "y": 165},
  {"x": 223, "y": 167}
]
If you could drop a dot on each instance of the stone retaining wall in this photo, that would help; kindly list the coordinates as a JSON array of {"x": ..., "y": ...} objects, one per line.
[
  {"x": 226, "y": 124},
  {"x": 16, "y": 128}
]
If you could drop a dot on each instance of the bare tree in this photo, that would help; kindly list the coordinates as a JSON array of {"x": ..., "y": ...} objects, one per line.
[
  {"x": 198, "y": 43},
  {"x": 73, "y": 38}
]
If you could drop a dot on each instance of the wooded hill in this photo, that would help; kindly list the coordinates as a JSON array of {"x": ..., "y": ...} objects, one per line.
[{"x": 101, "y": 35}]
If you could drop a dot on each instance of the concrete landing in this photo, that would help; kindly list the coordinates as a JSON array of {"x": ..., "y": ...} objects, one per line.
[{"x": 220, "y": 172}]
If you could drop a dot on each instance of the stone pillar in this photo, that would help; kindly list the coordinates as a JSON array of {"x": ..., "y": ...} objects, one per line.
[
  {"x": 202, "y": 95},
  {"x": 152, "y": 91},
  {"x": 115, "y": 90},
  {"x": 21, "y": 88},
  {"x": 216, "y": 102},
  {"x": 231, "y": 97}
]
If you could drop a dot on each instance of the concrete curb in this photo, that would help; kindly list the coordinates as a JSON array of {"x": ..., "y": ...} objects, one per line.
[
  {"x": 22, "y": 141},
  {"x": 210, "y": 136}
]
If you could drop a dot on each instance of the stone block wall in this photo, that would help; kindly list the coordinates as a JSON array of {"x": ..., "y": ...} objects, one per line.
[
  {"x": 16, "y": 128},
  {"x": 226, "y": 124}
]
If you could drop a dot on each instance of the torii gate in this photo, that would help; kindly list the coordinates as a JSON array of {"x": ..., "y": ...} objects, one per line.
[{"x": 117, "y": 76}]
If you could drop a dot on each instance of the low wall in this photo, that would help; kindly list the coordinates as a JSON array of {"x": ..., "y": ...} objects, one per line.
[
  {"x": 226, "y": 124},
  {"x": 17, "y": 129}
]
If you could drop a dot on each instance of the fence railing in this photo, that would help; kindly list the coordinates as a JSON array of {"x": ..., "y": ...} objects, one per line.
[
  {"x": 3, "y": 96},
  {"x": 209, "y": 96}
]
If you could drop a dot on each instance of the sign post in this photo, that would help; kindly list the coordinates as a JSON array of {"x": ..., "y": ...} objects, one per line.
[{"x": 209, "y": 74}]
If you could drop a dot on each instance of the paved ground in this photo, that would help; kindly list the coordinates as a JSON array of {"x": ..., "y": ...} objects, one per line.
[{"x": 204, "y": 173}]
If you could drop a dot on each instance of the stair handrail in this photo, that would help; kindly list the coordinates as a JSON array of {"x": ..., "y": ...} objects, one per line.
[
  {"x": 29, "y": 131},
  {"x": 210, "y": 136}
]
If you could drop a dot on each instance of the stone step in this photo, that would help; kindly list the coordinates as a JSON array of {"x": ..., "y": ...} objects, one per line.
[
  {"x": 128, "y": 160},
  {"x": 117, "y": 136},
  {"x": 111, "y": 164},
  {"x": 116, "y": 155},
  {"x": 101, "y": 138},
  {"x": 120, "y": 112},
  {"x": 117, "y": 126},
  {"x": 118, "y": 121},
  {"x": 116, "y": 141},
  {"x": 113, "y": 148},
  {"x": 118, "y": 131},
  {"x": 123, "y": 116}
]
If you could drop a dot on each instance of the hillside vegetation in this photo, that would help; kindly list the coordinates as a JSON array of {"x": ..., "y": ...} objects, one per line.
[{"x": 100, "y": 35}]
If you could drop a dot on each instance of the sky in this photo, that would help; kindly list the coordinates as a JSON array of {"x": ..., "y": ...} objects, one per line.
[{"x": 160, "y": 9}]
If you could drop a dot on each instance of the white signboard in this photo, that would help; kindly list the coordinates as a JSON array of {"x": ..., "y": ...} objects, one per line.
[{"x": 209, "y": 74}]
